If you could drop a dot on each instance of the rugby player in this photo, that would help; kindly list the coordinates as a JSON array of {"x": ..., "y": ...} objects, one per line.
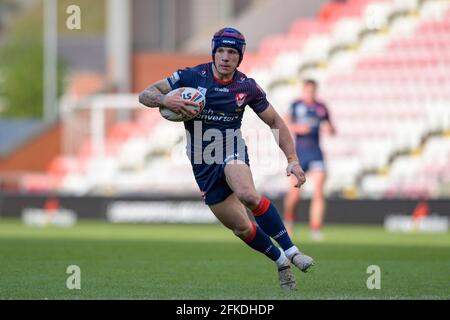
[
  {"x": 226, "y": 183},
  {"x": 308, "y": 117}
]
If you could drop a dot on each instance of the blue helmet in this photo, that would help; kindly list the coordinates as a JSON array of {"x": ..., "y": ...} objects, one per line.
[{"x": 230, "y": 38}]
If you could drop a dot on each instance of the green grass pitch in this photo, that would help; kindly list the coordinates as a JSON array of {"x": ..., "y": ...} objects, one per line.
[{"x": 208, "y": 262}]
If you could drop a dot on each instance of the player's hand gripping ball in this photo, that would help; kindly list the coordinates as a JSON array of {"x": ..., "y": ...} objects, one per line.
[{"x": 189, "y": 95}]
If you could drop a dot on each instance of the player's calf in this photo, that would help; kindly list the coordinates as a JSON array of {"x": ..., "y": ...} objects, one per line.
[{"x": 270, "y": 221}]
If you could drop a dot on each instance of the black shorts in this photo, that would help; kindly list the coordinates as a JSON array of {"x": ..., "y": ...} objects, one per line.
[
  {"x": 311, "y": 159},
  {"x": 211, "y": 178}
]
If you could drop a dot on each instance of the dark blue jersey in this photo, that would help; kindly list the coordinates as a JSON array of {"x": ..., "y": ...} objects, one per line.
[
  {"x": 311, "y": 115},
  {"x": 224, "y": 109}
]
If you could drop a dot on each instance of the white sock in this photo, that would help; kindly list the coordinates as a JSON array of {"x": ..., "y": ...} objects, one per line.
[
  {"x": 290, "y": 252},
  {"x": 282, "y": 260}
]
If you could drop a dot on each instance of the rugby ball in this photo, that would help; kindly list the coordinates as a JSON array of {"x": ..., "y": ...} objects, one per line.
[{"x": 190, "y": 94}]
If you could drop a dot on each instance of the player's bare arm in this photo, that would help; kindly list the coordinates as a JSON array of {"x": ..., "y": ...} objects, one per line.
[
  {"x": 155, "y": 96},
  {"x": 301, "y": 129},
  {"x": 329, "y": 128},
  {"x": 297, "y": 128},
  {"x": 286, "y": 144}
]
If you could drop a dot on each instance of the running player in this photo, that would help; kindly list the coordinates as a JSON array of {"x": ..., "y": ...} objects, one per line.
[
  {"x": 308, "y": 117},
  {"x": 224, "y": 176}
]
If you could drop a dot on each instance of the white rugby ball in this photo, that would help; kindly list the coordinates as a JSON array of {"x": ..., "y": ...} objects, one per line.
[{"x": 190, "y": 94}]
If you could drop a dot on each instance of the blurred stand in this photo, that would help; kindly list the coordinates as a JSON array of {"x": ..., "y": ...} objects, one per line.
[{"x": 382, "y": 66}]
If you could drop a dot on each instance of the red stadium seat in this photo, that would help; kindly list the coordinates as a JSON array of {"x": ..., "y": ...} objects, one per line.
[
  {"x": 307, "y": 27},
  {"x": 371, "y": 100},
  {"x": 352, "y": 8},
  {"x": 86, "y": 150},
  {"x": 62, "y": 165},
  {"x": 121, "y": 131},
  {"x": 39, "y": 183}
]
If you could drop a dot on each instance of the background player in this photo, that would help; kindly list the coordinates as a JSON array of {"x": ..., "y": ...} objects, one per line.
[
  {"x": 308, "y": 117},
  {"x": 227, "y": 185}
]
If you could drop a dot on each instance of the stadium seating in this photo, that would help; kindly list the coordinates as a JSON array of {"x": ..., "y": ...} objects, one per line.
[
  {"x": 384, "y": 71},
  {"x": 391, "y": 88}
]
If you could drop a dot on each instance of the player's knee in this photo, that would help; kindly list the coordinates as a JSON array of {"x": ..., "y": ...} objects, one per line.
[
  {"x": 243, "y": 230},
  {"x": 249, "y": 197}
]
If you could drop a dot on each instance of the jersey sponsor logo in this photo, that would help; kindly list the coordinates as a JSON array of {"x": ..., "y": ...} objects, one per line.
[
  {"x": 202, "y": 90},
  {"x": 240, "y": 99},
  {"x": 209, "y": 115},
  {"x": 175, "y": 77},
  {"x": 221, "y": 89}
]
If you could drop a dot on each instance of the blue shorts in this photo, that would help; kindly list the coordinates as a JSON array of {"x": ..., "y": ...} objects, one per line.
[
  {"x": 211, "y": 179},
  {"x": 311, "y": 159}
]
